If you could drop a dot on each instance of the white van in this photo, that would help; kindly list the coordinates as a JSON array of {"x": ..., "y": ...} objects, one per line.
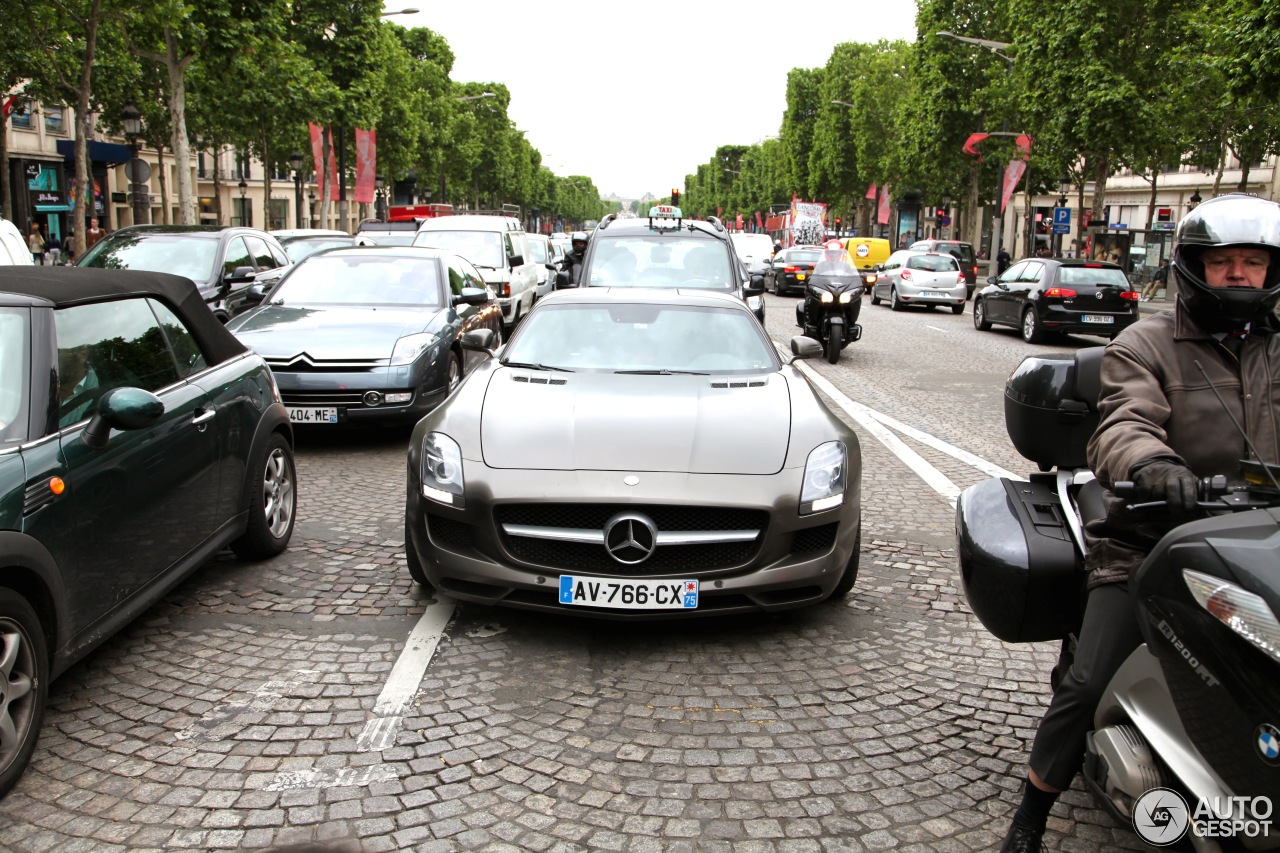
[
  {"x": 498, "y": 247},
  {"x": 13, "y": 246},
  {"x": 754, "y": 250}
]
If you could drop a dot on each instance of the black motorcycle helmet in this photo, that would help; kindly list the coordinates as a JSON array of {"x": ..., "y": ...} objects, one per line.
[
  {"x": 578, "y": 242},
  {"x": 1233, "y": 220}
]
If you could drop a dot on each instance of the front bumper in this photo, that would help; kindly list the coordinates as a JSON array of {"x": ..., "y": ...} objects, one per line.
[
  {"x": 347, "y": 391},
  {"x": 470, "y": 554}
]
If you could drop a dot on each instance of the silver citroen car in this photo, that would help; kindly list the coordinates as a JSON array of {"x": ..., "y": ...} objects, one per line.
[{"x": 635, "y": 453}]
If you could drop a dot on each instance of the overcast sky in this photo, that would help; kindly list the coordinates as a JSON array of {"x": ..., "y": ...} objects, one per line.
[{"x": 581, "y": 96}]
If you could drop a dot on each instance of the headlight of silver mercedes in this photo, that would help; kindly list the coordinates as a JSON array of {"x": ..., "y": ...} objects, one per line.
[
  {"x": 825, "y": 473},
  {"x": 442, "y": 470},
  {"x": 410, "y": 347}
]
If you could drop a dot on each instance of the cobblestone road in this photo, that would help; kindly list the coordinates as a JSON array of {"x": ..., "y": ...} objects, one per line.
[{"x": 239, "y": 713}]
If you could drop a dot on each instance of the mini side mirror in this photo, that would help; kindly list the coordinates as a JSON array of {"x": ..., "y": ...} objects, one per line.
[{"x": 121, "y": 408}]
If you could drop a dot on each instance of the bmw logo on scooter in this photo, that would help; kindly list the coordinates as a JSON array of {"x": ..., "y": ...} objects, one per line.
[{"x": 1269, "y": 743}]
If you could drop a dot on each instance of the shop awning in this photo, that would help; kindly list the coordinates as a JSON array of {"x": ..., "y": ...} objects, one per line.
[{"x": 109, "y": 153}]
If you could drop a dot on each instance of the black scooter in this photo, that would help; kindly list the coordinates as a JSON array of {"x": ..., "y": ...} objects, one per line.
[
  {"x": 1195, "y": 710},
  {"x": 829, "y": 311}
]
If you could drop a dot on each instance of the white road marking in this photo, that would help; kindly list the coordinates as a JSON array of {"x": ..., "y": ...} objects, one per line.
[
  {"x": 289, "y": 780},
  {"x": 935, "y": 328},
  {"x": 880, "y": 425},
  {"x": 402, "y": 683},
  {"x": 223, "y": 721}
]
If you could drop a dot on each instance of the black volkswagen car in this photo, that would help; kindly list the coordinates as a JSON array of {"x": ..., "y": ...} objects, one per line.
[
  {"x": 370, "y": 334},
  {"x": 138, "y": 438},
  {"x": 1043, "y": 296},
  {"x": 223, "y": 262}
]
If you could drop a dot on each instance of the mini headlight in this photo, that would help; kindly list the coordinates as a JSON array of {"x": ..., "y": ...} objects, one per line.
[
  {"x": 410, "y": 347},
  {"x": 825, "y": 473},
  {"x": 442, "y": 470},
  {"x": 826, "y": 296},
  {"x": 846, "y": 297}
]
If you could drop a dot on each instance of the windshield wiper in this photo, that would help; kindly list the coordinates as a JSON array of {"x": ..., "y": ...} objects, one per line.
[
  {"x": 663, "y": 372},
  {"x": 532, "y": 366}
]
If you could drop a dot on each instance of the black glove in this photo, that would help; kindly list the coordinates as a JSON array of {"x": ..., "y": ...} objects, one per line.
[{"x": 1170, "y": 482}]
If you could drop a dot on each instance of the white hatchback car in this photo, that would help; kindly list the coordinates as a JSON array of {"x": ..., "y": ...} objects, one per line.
[{"x": 920, "y": 278}]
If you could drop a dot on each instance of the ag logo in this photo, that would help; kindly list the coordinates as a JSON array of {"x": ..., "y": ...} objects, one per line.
[{"x": 1160, "y": 817}]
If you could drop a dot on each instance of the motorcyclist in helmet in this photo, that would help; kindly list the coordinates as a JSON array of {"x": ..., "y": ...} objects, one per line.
[
  {"x": 834, "y": 260},
  {"x": 571, "y": 266},
  {"x": 1163, "y": 427}
]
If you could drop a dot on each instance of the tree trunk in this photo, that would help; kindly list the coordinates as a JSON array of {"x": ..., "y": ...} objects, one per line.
[
  {"x": 217, "y": 183},
  {"x": 1028, "y": 220},
  {"x": 164, "y": 186},
  {"x": 84, "y": 126},
  {"x": 322, "y": 174},
  {"x": 1151, "y": 202},
  {"x": 1100, "y": 165},
  {"x": 6, "y": 207},
  {"x": 975, "y": 202},
  {"x": 1222, "y": 165},
  {"x": 266, "y": 183},
  {"x": 178, "y": 141}
]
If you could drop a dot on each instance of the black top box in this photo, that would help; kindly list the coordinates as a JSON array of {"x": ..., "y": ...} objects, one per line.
[{"x": 1051, "y": 407}]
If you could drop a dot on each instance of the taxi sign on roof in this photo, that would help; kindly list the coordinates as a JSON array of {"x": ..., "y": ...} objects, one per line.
[{"x": 665, "y": 211}]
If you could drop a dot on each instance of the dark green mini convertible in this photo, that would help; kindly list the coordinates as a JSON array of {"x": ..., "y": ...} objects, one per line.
[{"x": 138, "y": 438}]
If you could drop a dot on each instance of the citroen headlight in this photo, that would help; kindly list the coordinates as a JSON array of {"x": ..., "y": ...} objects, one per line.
[
  {"x": 825, "y": 473},
  {"x": 826, "y": 296},
  {"x": 410, "y": 347},
  {"x": 846, "y": 297},
  {"x": 442, "y": 470}
]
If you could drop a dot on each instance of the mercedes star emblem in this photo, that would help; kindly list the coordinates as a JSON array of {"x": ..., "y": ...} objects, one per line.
[{"x": 630, "y": 537}]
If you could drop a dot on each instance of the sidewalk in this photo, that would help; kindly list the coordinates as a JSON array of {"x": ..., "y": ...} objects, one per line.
[{"x": 1163, "y": 301}]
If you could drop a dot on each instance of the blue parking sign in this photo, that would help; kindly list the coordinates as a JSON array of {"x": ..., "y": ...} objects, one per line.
[{"x": 1062, "y": 216}]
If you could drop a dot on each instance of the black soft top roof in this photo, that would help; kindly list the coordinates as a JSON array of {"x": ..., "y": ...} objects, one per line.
[{"x": 67, "y": 286}]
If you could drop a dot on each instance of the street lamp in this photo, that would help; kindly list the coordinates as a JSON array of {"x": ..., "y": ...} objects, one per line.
[
  {"x": 380, "y": 198},
  {"x": 1064, "y": 184},
  {"x": 946, "y": 207},
  {"x": 1194, "y": 201},
  {"x": 732, "y": 171},
  {"x": 243, "y": 207},
  {"x": 843, "y": 104},
  {"x": 476, "y": 97},
  {"x": 311, "y": 206},
  {"x": 996, "y": 47},
  {"x": 296, "y": 161},
  {"x": 137, "y": 170}
]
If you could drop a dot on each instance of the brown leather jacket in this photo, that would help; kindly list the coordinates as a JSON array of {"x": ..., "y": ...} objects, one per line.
[{"x": 1155, "y": 403}]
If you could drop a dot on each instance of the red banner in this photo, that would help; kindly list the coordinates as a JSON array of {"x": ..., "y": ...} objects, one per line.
[
  {"x": 971, "y": 142},
  {"x": 759, "y": 224},
  {"x": 366, "y": 165},
  {"x": 871, "y": 192},
  {"x": 317, "y": 148},
  {"x": 1012, "y": 174},
  {"x": 739, "y": 225},
  {"x": 882, "y": 213}
]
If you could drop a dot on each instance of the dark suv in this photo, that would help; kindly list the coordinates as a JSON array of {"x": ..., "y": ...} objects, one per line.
[
  {"x": 962, "y": 252},
  {"x": 224, "y": 262},
  {"x": 664, "y": 249}
]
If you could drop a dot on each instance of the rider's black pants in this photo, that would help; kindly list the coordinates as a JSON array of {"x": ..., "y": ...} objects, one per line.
[{"x": 1107, "y": 636}]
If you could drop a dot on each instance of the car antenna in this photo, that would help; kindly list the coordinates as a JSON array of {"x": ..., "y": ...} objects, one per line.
[{"x": 1247, "y": 443}]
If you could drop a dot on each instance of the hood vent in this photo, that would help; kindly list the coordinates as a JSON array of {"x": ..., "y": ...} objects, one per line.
[
  {"x": 741, "y": 382},
  {"x": 538, "y": 379}
]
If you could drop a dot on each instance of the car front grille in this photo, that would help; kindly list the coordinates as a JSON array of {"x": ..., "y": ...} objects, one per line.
[
  {"x": 689, "y": 558},
  {"x": 814, "y": 539},
  {"x": 348, "y": 398}
]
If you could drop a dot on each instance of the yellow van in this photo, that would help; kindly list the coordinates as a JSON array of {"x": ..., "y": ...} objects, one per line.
[{"x": 866, "y": 252}]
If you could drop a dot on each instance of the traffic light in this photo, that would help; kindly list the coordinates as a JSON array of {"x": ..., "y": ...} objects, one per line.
[
  {"x": 837, "y": 223},
  {"x": 675, "y": 197}
]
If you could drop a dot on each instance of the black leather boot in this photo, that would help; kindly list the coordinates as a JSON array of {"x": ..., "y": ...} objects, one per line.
[{"x": 1020, "y": 840}]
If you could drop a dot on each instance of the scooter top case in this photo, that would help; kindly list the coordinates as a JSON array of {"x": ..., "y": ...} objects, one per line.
[
  {"x": 1208, "y": 596},
  {"x": 1022, "y": 575},
  {"x": 1051, "y": 407}
]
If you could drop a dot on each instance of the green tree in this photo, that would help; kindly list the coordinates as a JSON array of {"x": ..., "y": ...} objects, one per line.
[{"x": 804, "y": 100}]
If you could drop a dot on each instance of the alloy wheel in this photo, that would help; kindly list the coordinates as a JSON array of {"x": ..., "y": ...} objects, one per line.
[{"x": 278, "y": 492}]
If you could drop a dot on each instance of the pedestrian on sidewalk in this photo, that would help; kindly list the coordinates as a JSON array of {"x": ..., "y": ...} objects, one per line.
[
  {"x": 52, "y": 250},
  {"x": 1159, "y": 280},
  {"x": 35, "y": 244}
]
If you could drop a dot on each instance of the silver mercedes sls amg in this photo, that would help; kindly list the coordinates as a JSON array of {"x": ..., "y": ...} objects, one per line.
[{"x": 635, "y": 453}]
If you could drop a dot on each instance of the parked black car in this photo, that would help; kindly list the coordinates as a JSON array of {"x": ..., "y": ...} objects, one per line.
[
  {"x": 790, "y": 268},
  {"x": 224, "y": 262},
  {"x": 138, "y": 438},
  {"x": 1042, "y": 296},
  {"x": 370, "y": 334}
]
